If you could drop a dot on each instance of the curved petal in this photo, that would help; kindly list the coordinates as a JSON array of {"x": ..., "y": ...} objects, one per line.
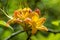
[
  {"x": 41, "y": 21},
  {"x": 42, "y": 28}
]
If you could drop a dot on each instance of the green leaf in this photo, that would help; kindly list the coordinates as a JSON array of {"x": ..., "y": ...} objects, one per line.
[
  {"x": 21, "y": 36},
  {"x": 34, "y": 38},
  {"x": 1, "y": 30},
  {"x": 3, "y": 24},
  {"x": 6, "y": 33}
]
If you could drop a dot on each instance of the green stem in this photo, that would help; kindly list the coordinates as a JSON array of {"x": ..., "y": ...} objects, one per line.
[
  {"x": 5, "y": 13},
  {"x": 29, "y": 37}
]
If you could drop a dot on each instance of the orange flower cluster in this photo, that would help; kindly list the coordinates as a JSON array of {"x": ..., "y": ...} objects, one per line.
[{"x": 30, "y": 17}]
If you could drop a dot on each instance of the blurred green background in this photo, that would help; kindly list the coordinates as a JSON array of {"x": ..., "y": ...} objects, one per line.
[{"x": 49, "y": 9}]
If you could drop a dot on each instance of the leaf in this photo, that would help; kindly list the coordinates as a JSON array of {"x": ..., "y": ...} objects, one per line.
[
  {"x": 33, "y": 38},
  {"x": 3, "y": 24},
  {"x": 6, "y": 33},
  {"x": 1, "y": 30},
  {"x": 21, "y": 36},
  {"x": 56, "y": 23}
]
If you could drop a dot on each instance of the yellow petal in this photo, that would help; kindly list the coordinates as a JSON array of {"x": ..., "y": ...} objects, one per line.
[
  {"x": 34, "y": 30},
  {"x": 26, "y": 15},
  {"x": 41, "y": 21},
  {"x": 42, "y": 28},
  {"x": 26, "y": 9},
  {"x": 35, "y": 18}
]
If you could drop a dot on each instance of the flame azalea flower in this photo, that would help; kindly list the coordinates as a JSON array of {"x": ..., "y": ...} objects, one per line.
[
  {"x": 36, "y": 23},
  {"x": 20, "y": 14},
  {"x": 30, "y": 17}
]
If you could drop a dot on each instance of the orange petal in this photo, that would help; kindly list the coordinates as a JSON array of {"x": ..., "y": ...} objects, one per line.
[
  {"x": 28, "y": 21},
  {"x": 16, "y": 12},
  {"x": 9, "y": 22}
]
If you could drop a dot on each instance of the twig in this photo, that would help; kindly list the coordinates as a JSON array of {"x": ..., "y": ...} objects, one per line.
[
  {"x": 53, "y": 31},
  {"x": 14, "y": 34},
  {"x": 29, "y": 37}
]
